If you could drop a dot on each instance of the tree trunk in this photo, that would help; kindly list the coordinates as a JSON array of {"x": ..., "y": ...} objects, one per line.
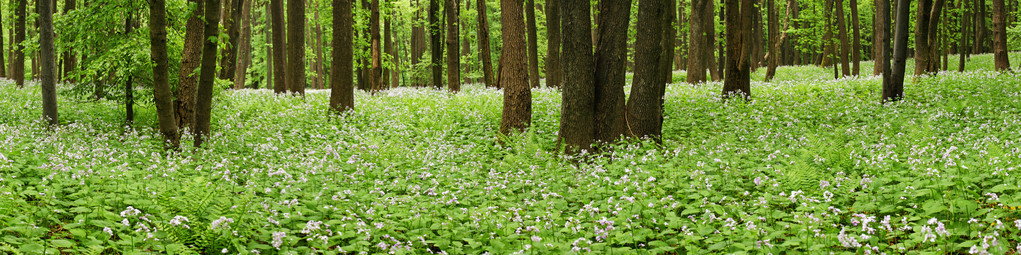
[
  {"x": 700, "y": 37},
  {"x": 341, "y": 89},
  {"x": 204, "y": 99},
  {"x": 1001, "y": 60},
  {"x": 296, "y": 45},
  {"x": 679, "y": 60},
  {"x": 453, "y": 59},
  {"x": 845, "y": 47},
  {"x": 878, "y": 36},
  {"x": 737, "y": 81},
  {"x": 578, "y": 107},
  {"x": 856, "y": 40},
  {"x": 48, "y": 59},
  {"x": 231, "y": 23},
  {"x": 364, "y": 53},
  {"x": 268, "y": 35},
  {"x": 775, "y": 61},
  {"x": 280, "y": 85},
  {"x": 18, "y": 62},
  {"x": 435, "y": 41},
  {"x": 774, "y": 36},
  {"x": 376, "y": 69},
  {"x": 190, "y": 60},
  {"x": 827, "y": 39},
  {"x": 517, "y": 96},
  {"x": 645, "y": 108},
  {"x": 894, "y": 89},
  {"x": 932, "y": 39},
  {"x": 669, "y": 35},
  {"x": 3, "y": 64},
  {"x": 129, "y": 87},
  {"x": 388, "y": 49},
  {"x": 964, "y": 49},
  {"x": 610, "y": 65},
  {"x": 484, "y": 54},
  {"x": 721, "y": 64},
  {"x": 921, "y": 36},
  {"x": 553, "y": 65},
  {"x": 245, "y": 45},
  {"x": 533, "y": 44},
  {"x": 161, "y": 73},
  {"x": 980, "y": 27}
]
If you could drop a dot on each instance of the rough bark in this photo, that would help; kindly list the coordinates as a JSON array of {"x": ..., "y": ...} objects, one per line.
[
  {"x": 161, "y": 73},
  {"x": 964, "y": 49},
  {"x": 388, "y": 49},
  {"x": 484, "y": 53},
  {"x": 827, "y": 39},
  {"x": 517, "y": 96},
  {"x": 700, "y": 41},
  {"x": 894, "y": 89},
  {"x": 48, "y": 63},
  {"x": 533, "y": 44},
  {"x": 296, "y": 46},
  {"x": 553, "y": 65},
  {"x": 879, "y": 29},
  {"x": 435, "y": 43},
  {"x": 669, "y": 36},
  {"x": 578, "y": 107},
  {"x": 204, "y": 98},
  {"x": 1000, "y": 58},
  {"x": 280, "y": 84},
  {"x": 231, "y": 24},
  {"x": 190, "y": 60},
  {"x": 610, "y": 67},
  {"x": 775, "y": 61},
  {"x": 855, "y": 40},
  {"x": 244, "y": 45},
  {"x": 737, "y": 81},
  {"x": 922, "y": 50},
  {"x": 18, "y": 61},
  {"x": 453, "y": 47},
  {"x": 645, "y": 107},
  {"x": 845, "y": 47},
  {"x": 129, "y": 86},
  {"x": 980, "y": 27},
  {"x": 341, "y": 89}
]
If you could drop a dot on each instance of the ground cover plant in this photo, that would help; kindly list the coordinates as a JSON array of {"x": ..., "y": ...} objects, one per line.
[{"x": 808, "y": 165}]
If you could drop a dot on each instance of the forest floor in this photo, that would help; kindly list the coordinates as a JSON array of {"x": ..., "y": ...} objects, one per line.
[{"x": 810, "y": 164}]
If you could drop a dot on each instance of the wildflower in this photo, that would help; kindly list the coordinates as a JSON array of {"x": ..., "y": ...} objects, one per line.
[
  {"x": 993, "y": 196},
  {"x": 179, "y": 221},
  {"x": 108, "y": 230},
  {"x": 1017, "y": 223},
  {"x": 222, "y": 222},
  {"x": 130, "y": 211},
  {"x": 278, "y": 239}
]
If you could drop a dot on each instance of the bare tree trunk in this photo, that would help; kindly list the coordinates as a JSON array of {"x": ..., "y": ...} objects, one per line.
[
  {"x": 738, "y": 80},
  {"x": 856, "y": 40},
  {"x": 517, "y": 96},
  {"x": 129, "y": 87},
  {"x": 435, "y": 41},
  {"x": 18, "y": 64},
  {"x": 204, "y": 99},
  {"x": 484, "y": 53},
  {"x": 700, "y": 37},
  {"x": 610, "y": 65},
  {"x": 827, "y": 39},
  {"x": 245, "y": 45},
  {"x": 341, "y": 89},
  {"x": 645, "y": 108},
  {"x": 48, "y": 59},
  {"x": 774, "y": 61},
  {"x": 388, "y": 49},
  {"x": 878, "y": 37},
  {"x": 1001, "y": 60},
  {"x": 296, "y": 45},
  {"x": 845, "y": 47},
  {"x": 190, "y": 60},
  {"x": 964, "y": 49},
  {"x": 533, "y": 44},
  {"x": 669, "y": 35},
  {"x": 231, "y": 23},
  {"x": 268, "y": 34},
  {"x": 161, "y": 73},
  {"x": 453, "y": 60},
  {"x": 894, "y": 89},
  {"x": 280, "y": 85},
  {"x": 578, "y": 107},
  {"x": 553, "y": 65},
  {"x": 679, "y": 60}
]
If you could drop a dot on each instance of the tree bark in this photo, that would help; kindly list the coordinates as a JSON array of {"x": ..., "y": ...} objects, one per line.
[
  {"x": 129, "y": 87},
  {"x": 161, "y": 73},
  {"x": 855, "y": 40},
  {"x": 268, "y": 36},
  {"x": 204, "y": 99},
  {"x": 533, "y": 44},
  {"x": 845, "y": 47},
  {"x": 679, "y": 56},
  {"x": 190, "y": 60},
  {"x": 775, "y": 61},
  {"x": 645, "y": 108},
  {"x": 341, "y": 89},
  {"x": 553, "y": 65},
  {"x": 280, "y": 85},
  {"x": 18, "y": 62},
  {"x": 48, "y": 62},
  {"x": 894, "y": 89},
  {"x": 296, "y": 45},
  {"x": 453, "y": 47},
  {"x": 827, "y": 39},
  {"x": 932, "y": 40},
  {"x": 980, "y": 27},
  {"x": 1000, "y": 58},
  {"x": 737, "y": 81},
  {"x": 484, "y": 54},
  {"x": 879, "y": 29},
  {"x": 229, "y": 54},
  {"x": 701, "y": 42},
  {"x": 244, "y": 45},
  {"x": 964, "y": 48},
  {"x": 435, "y": 41},
  {"x": 388, "y": 49},
  {"x": 610, "y": 66},
  {"x": 517, "y": 96},
  {"x": 669, "y": 36},
  {"x": 578, "y": 107}
]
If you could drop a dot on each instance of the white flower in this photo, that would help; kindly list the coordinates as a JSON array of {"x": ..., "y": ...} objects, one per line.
[
  {"x": 179, "y": 221},
  {"x": 278, "y": 239},
  {"x": 130, "y": 211},
  {"x": 108, "y": 230},
  {"x": 222, "y": 222}
]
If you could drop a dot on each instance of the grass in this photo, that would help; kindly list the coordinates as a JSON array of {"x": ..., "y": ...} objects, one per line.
[{"x": 810, "y": 165}]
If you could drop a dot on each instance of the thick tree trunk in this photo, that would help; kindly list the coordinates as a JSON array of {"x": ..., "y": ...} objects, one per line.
[
  {"x": 453, "y": 40},
  {"x": 964, "y": 48},
  {"x": 435, "y": 43},
  {"x": 484, "y": 54},
  {"x": 280, "y": 85},
  {"x": 700, "y": 37},
  {"x": 341, "y": 89},
  {"x": 932, "y": 41},
  {"x": 1000, "y": 58},
  {"x": 669, "y": 36},
  {"x": 922, "y": 50},
  {"x": 296, "y": 45},
  {"x": 845, "y": 47},
  {"x": 231, "y": 23},
  {"x": 894, "y": 89},
  {"x": 827, "y": 39},
  {"x": 553, "y": 66},
  {"x": 517, "y": 96},
  {"x": 244, "y": 45},
  {"x": 980, "y": 27},
  {"x": 533, "y": 44},
  {"x": 578, "y": 107},
  {"x": 190, "y": 60},
  {"x": 610, "y": 65},
  {"x": 737, "y": 81},
  {"x": 375, "y": 74},
  {"x": 645, "y": 108},
  {"x": 18, "y": 61},
  {"x": 855, "y": 40},
  {"x": 48, "y": 62},
  {"x": 162, "y": 96},
  {"x": 774, "y": 36},
  {"x": 204, "y": 99}
]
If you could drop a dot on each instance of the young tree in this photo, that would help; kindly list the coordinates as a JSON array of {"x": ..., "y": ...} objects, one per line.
[
  {"x": 533, "y": 44},
  {"x": 375, "y": 40},
  {"x": 845, "y": 47},
  {"x": 296, "y": 45},
  {"x": 578, "y": 107},
  {"x": 18, "y": 61},
  {"x": 964, "y": 49},
  {"x": 280, "y": 84},
  {"x": 517, "y": 96},
  {"x": 776, "y": 44},
  {"x": 341, "y": 89},
  {"x": 669, "y": 35},
  {"x": 453, "y": 46},
  {"x": 879, "y": 36},
  {"x": 161, "y": 73},
  {"x": 645, "y": 107},
  {"x": 553, "y": 68},
  {"x": 3, "y": 65},
  {"x": 434, "y": 43},
  {"x": 129, "y": 86},
  {"x": 70, "y": 61},
  {"x": 244, "y": 45},
  {"x": 737, "y": 79},
  {"x": 610, "y": 68},
  {"x": 48, "y": 62},
  {"x": 484, "y": 54},
  {"x": 204, "y": 98},
  {"x": 856, "y": 40},
  {"x": 894, "y": 89},
  {"x": 1000, "y": 58}
]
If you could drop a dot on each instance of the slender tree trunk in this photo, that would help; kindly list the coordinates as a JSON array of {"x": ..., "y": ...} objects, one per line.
[
  {"x": 204, "y": 99},
  {"x": 280, "y": 84},
  {"x": 774, "y": 36},
  {"x": 964, "y": 49},
  {"x": 894, "y": 89},
  {"x": 484, "y": 53},
  {"x": 553, "y": 65},
  {"x": 341, "y": 89},
  {"x": 700, "y": 38},
  {"x": 610, "y": 64},
  {"x": 453, "y": 37},
  {"x": 774, "y": 61},
  {"x": 669, "y": 35},
  {"x": 827, "y": 39},
  {"x": 517, "y": 96},
  {"x": 533, "y": 44},
  {"x": 296, "y": 45},
  {"x": 435, "y": 42},
  {"x": 578, "y": 107},
  {"x": 721, "y": 63},
  {"x": 245, "y": 45},
  {"x": 738, "y": 80},
  {"x": 388, "y": 49},
  {"x": 161, "y": 73},
  {"x": 845, "y": 47},
  {"x": 48, "y": 61},
  {"x": 466, "y": 50},
  {"x": 376, "y": 70},
  {"x": 231, "y": 23},
  {"x": 18, "y": 64},
  {"x": 932, "y": 41},
  {"x": 645, "y": 108},
  {"x": 921, "y": 36},
  {"x": 3, "y": 64},
  {"x": 129, "y": 86},
  {"x": 856, "y": 40},
  {"x": 1001, "y": 60},
  {"x": 679, "y": 60},
  {"x": 878, "y": 36}
]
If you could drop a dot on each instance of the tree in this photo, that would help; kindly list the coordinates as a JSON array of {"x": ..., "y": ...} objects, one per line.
[
  {"x": 453, "y": 47},
  {"x": 1000, "y": 58},
  {"x": 845, "y": 47},
  {"x": 18, "y": 61},
  {"x": 880, "y": 26},
  {"x": 245, "y": 45},
  {"x": 48, "y": 62},
  {"x": 129, "y": 86},
  {"x": 341, "y": 89},
  {"x": 231, "y": 23},
  {"x": 610, "y": 68},
  {"x": 517, "y": 96},
  {"x": 296, "y": 45},
  {"x": 701, "y": 42},
  {"x": 533, "y": 44},
  {"x": 855, "y": 40},
  {"x": 737, "y": 79},
  {"x": 578, "y": 107},
  {"x": 204, "y": 98},
  {"x": 376, "y": 68},
  {"x": 69, "y": 57},
  {"x": 484, "y": 52},
  {"x": 965, "y": 25},
  {"x": 280, "y": 84},
  {"x": 645, "y": 107},
  {"x": 161, "y": 73},
  {"x": 434, "y": 44},
  {"x": 776, "y": 60},
  {"x": 894, "y": 89},
  {"x": 190, "y": 60},
  {"x": 3, "y": 65},
  {"x": 553, "y": 68},
  {"x": 669, "y": 35}
]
